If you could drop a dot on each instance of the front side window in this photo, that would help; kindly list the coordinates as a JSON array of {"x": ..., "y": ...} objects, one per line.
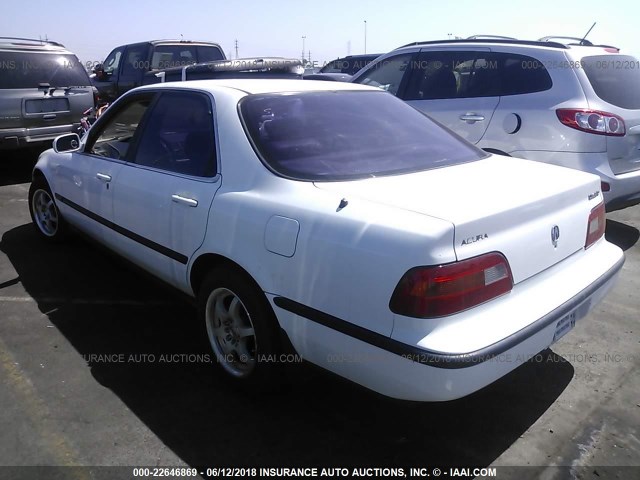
[
  {"x": 110, "y": 65},
  {"x": 348, "y": 135},
  {"x": 113, "y": 139},
  {"x": 179, "y": 135},
  {"x": 387, "y": 74}
]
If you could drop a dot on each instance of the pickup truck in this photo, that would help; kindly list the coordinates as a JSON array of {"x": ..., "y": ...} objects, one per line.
[{"x": 132, "y": 65}]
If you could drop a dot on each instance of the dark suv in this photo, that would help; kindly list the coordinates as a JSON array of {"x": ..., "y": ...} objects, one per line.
[
  {"x": 43, "y": 92},
  {"x": 136, "y": 64}
]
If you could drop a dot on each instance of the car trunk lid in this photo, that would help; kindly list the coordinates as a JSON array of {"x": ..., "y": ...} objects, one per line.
[{"x": 534, "y": 214}]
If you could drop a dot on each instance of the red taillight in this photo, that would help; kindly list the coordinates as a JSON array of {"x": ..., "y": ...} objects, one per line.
[
  {"x": 596, "y": 226},
  {"x": 592, "y": 121},
  {"x": 605, "y": 187},
  {"x": 435, "y": 291}
]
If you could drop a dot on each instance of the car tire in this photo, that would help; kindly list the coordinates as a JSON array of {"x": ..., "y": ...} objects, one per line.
[
  {"x": 44, "y": 212},
  {"x": 241, "y": 328}
]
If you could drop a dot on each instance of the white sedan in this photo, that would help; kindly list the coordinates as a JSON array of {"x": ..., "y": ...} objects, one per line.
[{"x": 337, "y": 220}]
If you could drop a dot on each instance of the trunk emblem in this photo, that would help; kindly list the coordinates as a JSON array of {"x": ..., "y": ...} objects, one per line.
[
  {"x": 477, "y": 238},
  {"x": 555, "y": 235}
]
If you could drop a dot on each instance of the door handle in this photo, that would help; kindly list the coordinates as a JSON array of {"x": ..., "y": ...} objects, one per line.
[
  {"x": 49, "y": 116},
  {"x": 471, "y": 117},
  {"x": 103, "y": 178},
  {"x": 184, "y": 200}
]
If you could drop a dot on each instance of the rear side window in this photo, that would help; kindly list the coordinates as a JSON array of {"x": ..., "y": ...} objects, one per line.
[
  {"x": 615, "y": 79},
  {"x": 522, "y": 74},
  {"x": 29, "y": 69},
  {"x": 348, "y": 135},
  {"x": 178, "y": 135}
]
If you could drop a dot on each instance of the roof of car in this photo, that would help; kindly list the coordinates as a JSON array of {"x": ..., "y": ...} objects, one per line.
[
  {"x": 30, "y": 44},
  {"x": 545, "y": 42},
  {"x": 257, "y": 86},
  {"x": 176, "y": 42},
  {"x": 491, "y": 41}
]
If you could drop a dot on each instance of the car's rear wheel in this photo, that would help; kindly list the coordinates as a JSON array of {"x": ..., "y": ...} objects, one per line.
[
  {"x": 241, "y": 328},
  {"x": 44, "y": 212}
]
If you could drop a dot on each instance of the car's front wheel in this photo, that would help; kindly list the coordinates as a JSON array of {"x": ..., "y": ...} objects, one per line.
[
  {"x": 241, "y": 327},
  {"x": 44, "y": 212}
]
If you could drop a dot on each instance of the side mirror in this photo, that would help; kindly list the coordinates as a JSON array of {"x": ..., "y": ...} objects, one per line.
[{"x": 66, "y": 143}]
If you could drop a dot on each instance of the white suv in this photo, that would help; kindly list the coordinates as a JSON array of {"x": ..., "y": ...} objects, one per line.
[{"x": 575, "y": 105}]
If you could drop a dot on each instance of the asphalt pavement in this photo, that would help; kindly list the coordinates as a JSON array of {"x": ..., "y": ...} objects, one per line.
[{"x": 102, "y": 366}]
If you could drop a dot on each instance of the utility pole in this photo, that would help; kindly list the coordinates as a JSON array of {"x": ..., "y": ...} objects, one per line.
[
  {"x": 237, "y": 48},
  {"x": 309, "y": 56},
  {"x": 303, "y": 39},
  {"x": 365, "y": 37}
]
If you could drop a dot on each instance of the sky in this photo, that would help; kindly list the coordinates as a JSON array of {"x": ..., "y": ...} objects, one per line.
[{"x": 333, "y": 28}]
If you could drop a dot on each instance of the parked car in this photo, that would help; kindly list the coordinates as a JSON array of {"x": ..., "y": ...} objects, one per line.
[
  {"x": 43, "y": 91},
  {"x": 572, "y": 104},
  {"x": 132, "y": 65},
  {"x": 342, "y": 69},
  {"x": 383, "y": 248},
  {"x": 349, "y": 64}
]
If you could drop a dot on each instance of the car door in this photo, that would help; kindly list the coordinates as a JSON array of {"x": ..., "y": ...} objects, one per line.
[
  {"x": 163, "y": 196},
  {"x": 84, "y": 180},
  {"x": 106, "y": 77},
  {"x": 460, "y": 89},
  {"x": 134, "y": 65}
]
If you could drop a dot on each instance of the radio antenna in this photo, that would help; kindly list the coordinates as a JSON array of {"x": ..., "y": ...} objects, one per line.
[{"x": 588, "y": 32}]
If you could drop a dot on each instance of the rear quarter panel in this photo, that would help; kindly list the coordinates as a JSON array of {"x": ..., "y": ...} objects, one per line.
[{"x": 540, "y": 128}]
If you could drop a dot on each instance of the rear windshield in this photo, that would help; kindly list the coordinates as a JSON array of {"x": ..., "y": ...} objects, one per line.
[
  {"x": 615, "y": 79},
  {"x": 348, "y": 135},
  {"x": 29, "y": 69}
]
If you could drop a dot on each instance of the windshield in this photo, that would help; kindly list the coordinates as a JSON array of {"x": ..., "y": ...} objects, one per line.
[
  {"x": 29, "y": 69},
  {"x": 348, "y": 135},
  {"x": 615, "y": 79}
]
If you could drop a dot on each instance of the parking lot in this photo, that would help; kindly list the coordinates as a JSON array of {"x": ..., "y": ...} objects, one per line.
[{"x": 101, "y": 365}]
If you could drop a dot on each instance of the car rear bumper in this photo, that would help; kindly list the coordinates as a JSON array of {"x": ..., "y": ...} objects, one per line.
[
  {"x": 461, "y": 355},
  {"x": 15, "y": 138}
]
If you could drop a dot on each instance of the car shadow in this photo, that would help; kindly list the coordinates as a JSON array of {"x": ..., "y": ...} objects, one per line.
[
  {"x": 16, "y": 166},
  {"x": 104, "y": 307},
  {"x": 623, "y": 235}
]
